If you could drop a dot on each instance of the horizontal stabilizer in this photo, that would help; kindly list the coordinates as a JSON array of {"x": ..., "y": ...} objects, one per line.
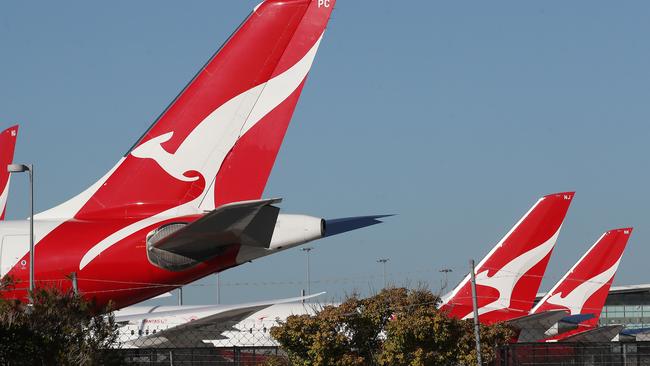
[
  {"x": 578, "y": 318},
  {"x": 636, "y": 331},
  {"x": 596, "y": 335},
  {"x": 634, "y": 335},
  {"x": 339, "y": 226},
  {"x": 533, "y": 327},
  {"x": 179, "y": 246},
  {"x": 540, "y": 320}
]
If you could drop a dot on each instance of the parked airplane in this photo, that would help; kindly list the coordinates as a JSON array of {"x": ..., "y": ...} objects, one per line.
[
  {"x": 582, "y": 291},
  {"x": 192, "y": 326},
  {"x": 238, "y": 325},
  {"x": 7, "y": 146},
  {"x": 574, "y": 303},
  {"x": 508, "y": 278},
  {"x": 255, "y": 330},
  {"x": 185, "y": 201}
]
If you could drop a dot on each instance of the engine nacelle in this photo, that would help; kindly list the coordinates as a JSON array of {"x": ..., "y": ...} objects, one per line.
[{"x": 292, "y": 230}]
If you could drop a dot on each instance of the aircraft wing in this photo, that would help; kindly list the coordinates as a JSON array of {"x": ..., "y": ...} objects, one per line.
[
  {"x": 192, "y": 333},
  {"x": 162, "y": 296}
]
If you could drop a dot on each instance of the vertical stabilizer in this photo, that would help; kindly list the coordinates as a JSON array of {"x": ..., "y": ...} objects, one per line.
[
  {"x": 510, "y": 275},
  {"x": 584, "y": 288},
  {"x": 8, "y": 139},
  {"x": 217, "y": 142}
]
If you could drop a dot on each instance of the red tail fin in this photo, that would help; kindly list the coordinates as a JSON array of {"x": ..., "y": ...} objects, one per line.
[
  {"x": 510, "y": 275},
  {"x": 7, "y": 146},
  {"x": 217, "y": 142},
  {"x": 584, "y": 289}
]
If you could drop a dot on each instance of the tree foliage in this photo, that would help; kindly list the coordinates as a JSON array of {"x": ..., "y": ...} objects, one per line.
[
  {"x": 58, "y": 329},
  {"x": 396, "y": 327}
]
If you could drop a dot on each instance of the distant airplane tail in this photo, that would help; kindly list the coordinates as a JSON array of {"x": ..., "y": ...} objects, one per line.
[
  {"x": 218, "y": 140},
  {"x": 7, "y": 146},
  {"x": 584, "y": 288},
  {"x": 510, "y": 275}
]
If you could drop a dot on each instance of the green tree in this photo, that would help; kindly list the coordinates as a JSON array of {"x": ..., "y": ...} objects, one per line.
[
  {"x": 419, "y": 334},
  {"x": 58, "y": 329},
  {"x": 492, "y": 337},
  {"x": 396, "y": 327}
]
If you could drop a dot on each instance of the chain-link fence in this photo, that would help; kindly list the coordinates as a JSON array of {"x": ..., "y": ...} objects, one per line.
[
  {"x": 190, "y": 335},
  {"x": 575, "y": 354},
  {"x": 240, "y": 344},
  {"x": 223, "y": 356},
  {"x": 575, "y": 333},
  {"x": 521, "y": 354},
  {"x": 234, "y": 342}
]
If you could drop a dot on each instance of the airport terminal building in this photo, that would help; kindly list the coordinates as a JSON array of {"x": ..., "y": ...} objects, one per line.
[{"x": 628, "y": 305}]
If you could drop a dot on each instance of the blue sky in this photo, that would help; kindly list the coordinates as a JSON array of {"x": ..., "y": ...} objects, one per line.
[{"x": 455, "y": 115}]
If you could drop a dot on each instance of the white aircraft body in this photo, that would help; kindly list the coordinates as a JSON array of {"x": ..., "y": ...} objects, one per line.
[{"x": 240, "y": 325}]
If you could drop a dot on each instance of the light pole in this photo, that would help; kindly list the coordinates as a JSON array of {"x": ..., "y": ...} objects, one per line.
[
  {"x": 22, "y": 168},
  {"x": 307, "y": 250},
  {"x": 446, "y": 272},
  {"x": 383, "y": 262}
]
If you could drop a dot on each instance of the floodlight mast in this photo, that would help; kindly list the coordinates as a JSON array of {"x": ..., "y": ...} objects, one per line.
[
  {"x": 22, "y": 168},
  {"x": 308, "y": 250},
  {"x": 383, "y": 262}
]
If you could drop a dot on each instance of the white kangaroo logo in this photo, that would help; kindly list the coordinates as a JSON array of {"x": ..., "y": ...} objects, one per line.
[
  {"x": 507, "y": 277},
  {"x": 575, "y": 300},
  {"x": 205, "y": 148}
]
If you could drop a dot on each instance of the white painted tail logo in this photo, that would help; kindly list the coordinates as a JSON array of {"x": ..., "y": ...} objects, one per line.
[
  {"x": 575, "y": 300},
  {"x": 505, "y": 279},
  {"x": 206, "y": 147}
]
